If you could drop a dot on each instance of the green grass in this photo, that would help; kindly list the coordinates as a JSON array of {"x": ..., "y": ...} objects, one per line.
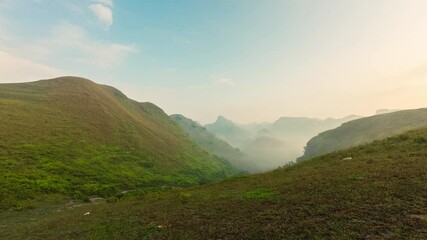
[
  {"x": 365, "y": 130},
  {"x": 73, "y": 138},
  {"x": 381, "y": 193},
  {"x": 259, "y": 193}
]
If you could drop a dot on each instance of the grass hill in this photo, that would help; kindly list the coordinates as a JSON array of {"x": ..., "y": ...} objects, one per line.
[
  {"x": 365, "y": 130},
  {"x": 217, "y": 146},
  {"x": 72, "y": 137},
  {"x": 381, "y": 193}
]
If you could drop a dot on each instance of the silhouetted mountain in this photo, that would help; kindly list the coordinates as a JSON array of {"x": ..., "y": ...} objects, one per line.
[
  {"x": 217, "y": 146},
  {"x": 284, "y": 141},
  {"x": 229, "y": 131},
  {"x": 276, "y": 144}
]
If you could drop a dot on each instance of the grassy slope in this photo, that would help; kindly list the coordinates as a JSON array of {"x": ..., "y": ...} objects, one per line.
[
  {"x": 217, "y": 146},
  {"x": 380, "y": 194},
  {"x": 365, "y": 130},
  {"x": 72, "y": 137}
]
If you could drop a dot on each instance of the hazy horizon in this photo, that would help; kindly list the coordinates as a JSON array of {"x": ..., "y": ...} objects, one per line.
[{"x": 250, "y": 61}]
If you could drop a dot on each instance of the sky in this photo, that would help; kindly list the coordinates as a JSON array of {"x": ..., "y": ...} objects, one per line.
[{"x": 248, "y": 60}]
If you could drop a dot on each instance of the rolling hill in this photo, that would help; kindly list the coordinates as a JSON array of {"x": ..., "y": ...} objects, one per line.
[
  {"x": 217, "y": 146},
  {"x": 70, "y": 137},
  {"x": 365, "y": 130},
  {"x": 378, "y": 193}
]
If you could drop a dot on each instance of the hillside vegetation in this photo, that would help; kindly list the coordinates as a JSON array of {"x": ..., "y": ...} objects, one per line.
[
  {"x": 217, "y": 146},
  {"x": 74, "y": 138},
  {"x": 365, "y": 130},
  {"x": 378, "y": 193}
]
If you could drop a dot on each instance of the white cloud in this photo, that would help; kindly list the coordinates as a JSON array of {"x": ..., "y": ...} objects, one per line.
[
  {"x": 66, "y": 49},
  {"x": 103, "y": 13},
  {"x": 16, "y": 69},
  {"x": 4, "y": 36},
  {"x": 71, "y": 46},
  {"x": 75, "y": 42},
  {"x": 225, "y": 81},
  {"x": 108, "y": 3}
]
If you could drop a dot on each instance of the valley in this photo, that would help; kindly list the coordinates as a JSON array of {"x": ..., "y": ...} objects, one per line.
[
  {"x": 105, "y": 166},
  {"x": 213, "y": 120},
  {"x": 380, "y": 193}
]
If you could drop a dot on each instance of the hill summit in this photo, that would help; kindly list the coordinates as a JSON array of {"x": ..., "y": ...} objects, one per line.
[
  {"x": 73, "y": 137},
  {"x": 227, "y": 130}
]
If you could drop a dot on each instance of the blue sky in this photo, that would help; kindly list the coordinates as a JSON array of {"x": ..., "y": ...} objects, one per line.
[{"x": 245, "y": 59}]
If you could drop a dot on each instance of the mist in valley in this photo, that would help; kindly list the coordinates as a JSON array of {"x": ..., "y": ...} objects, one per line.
[
  {"x": 225, "y": 119},
  {"x": 271, "y": 145}
]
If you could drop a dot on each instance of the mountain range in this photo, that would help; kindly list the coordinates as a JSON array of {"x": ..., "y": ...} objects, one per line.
[
  {"x": 215, "y": 145},
  {"x": 273, "y": 144}
]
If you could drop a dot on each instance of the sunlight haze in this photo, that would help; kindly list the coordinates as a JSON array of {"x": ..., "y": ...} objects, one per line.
[{"x": 246, "y": 60}]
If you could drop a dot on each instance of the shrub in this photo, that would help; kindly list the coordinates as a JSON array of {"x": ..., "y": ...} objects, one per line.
[{"x": 420, "y": 140}]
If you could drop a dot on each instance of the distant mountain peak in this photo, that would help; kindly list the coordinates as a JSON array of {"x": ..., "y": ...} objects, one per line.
[
  {"x": 68, "y": 79},
  {"x": 178, "y": 116},
  {"x": 222, "y": 119}
]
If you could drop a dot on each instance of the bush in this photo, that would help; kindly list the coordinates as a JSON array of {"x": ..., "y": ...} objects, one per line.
[
  {"x": 420, "y": 140},
  {"x": 403, "y": 137},
  {"x": 7, "y": 201}
]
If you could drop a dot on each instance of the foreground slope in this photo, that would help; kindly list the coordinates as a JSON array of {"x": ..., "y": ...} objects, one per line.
[
  {"x": 69, "y": 136},
  {"x": 365, "y": 130},
  {"x": 217, "y": 146},
  {"x": 381, "y": 193}
]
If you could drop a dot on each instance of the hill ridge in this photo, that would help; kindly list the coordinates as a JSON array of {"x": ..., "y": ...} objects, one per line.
[
  {"x": 77, "y": 138},
  {"x": 365, "y": 130}
]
